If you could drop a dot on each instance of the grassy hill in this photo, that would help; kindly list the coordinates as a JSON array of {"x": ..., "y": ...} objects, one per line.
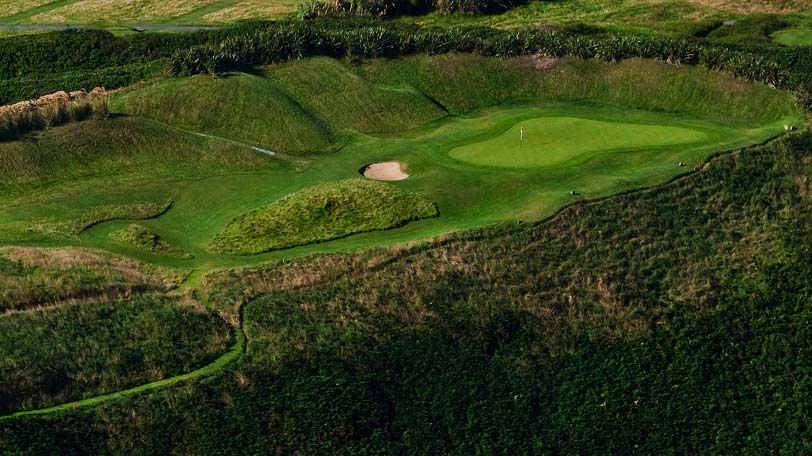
[{"x": 248, "y": 108}]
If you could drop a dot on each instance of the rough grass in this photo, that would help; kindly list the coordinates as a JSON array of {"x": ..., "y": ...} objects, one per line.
[
  {"x": 249, "y": 108},
  {"x": 78, "y": 351},
  {"x": 145, "y": 239},
  {"x": 123, "y": 148},
  {"x": 320, "y": 213},
  {"x": 51, "y": 110},
  {"x": 117, "y": 12},
  {"x": 678, "y": 17},
  {"x": 634, "y": 83},
  {"x": 31, "y": 277},
  {"x": 346, "y": 101}
]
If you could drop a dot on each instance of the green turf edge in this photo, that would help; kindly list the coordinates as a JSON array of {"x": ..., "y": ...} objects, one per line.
[{"x": 205, "y": 371}]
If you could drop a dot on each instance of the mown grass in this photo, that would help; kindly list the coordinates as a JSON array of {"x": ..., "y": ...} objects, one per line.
[
  {"x": 143, "y": 238},
  {"x": 794, "y": 37},
  {"x": 31, "y": 277},
  {"x": 320, "y": 213},
  {"x": 551, "y": 140},
  {"x": 84, "y": 350}
]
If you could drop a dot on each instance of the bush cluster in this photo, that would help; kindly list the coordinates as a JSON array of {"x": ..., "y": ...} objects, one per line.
[
  {"x": 50, "y": 110},
  {"x": 389, "y": 8},
  {"x": 282, "y": 41}
]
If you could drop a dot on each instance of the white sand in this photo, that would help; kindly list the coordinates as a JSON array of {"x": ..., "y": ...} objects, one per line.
[{"x": 386, "y": 171}]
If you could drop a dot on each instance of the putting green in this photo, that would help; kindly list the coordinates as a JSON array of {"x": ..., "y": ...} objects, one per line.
[
  {"x": 799, "y": 36},
  {"x": 554, "y": 140}
]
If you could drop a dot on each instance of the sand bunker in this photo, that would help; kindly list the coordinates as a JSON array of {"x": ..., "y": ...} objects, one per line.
[{"x": 385, "y": 171}]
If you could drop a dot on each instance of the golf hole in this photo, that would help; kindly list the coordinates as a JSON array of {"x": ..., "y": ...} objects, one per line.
[{"x": 384, "y": 171}]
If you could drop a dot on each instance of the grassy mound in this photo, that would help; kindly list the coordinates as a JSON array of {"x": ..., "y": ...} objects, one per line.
[
  {"x": 77, "y": 222},
  {"x": 346, "y": 101},
  {"x": 143, "y": 238},
  {"x": 320, "y": 213},
  {"x": 249, "y": 108},
  {"x": 125, "y": 148},
  {"x": 67, "y": 353},
  {"x": 295, "y": 107}
]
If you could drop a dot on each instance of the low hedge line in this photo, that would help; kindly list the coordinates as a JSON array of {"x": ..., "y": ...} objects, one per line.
[
  {"x": 279, "y": 41},
  {"x": 27, "y": 88},
  {"x": 83, "y": 49}
]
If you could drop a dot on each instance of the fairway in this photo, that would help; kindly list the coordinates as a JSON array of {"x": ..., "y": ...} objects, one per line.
[{"x": 553, "y": 140}]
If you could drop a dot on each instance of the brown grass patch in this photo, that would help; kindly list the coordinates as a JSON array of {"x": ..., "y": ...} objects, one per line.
[{"x": 50, "y": 110}]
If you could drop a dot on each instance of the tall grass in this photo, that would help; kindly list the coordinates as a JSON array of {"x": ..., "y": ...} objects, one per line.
[{"x": 51, "y": 110}]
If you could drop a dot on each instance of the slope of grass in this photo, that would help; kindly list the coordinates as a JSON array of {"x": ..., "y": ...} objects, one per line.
[
  {"x": 634, "y": 83},
  {"x": 555, "y": 140},
  {"x": 321, "y": 213},
  {"x": 346, "y": 101},
  {"x": 77, "y": 351},
  {"x": 143, "y": 238},
  {"x": 127, "y": 148},
  {"x": 249, "y": 108},
  {"x": 31, "y": 277}
]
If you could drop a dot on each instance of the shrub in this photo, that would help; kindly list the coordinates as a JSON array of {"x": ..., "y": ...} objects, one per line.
[
  {"x": 279, "y": 41},
  {"x": 51, "y": 110}
]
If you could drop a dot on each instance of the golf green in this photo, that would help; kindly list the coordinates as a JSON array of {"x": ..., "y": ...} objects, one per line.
[
  {"x": 553, "y": 140},
  {"x": 799, "y": 36}
]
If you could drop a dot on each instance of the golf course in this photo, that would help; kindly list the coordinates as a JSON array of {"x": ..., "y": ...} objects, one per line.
[
  {"x": 355, "y": 235},
  {"x": 580, "y": 139}
]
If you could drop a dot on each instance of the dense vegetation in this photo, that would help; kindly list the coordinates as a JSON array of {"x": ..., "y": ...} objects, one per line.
[
  {"x": 320, "y": 213},
  {"x": 276, "y": 42},
  {"x": 670, "y": 321},
  {"x": 87, "y": 349},
  {"x": 382, "y": 8}
]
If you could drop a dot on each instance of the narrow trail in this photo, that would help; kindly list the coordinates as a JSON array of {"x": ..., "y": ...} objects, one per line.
[
  {"x": 229, "y": 141},
  {"x": 212, "y": 368}
]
